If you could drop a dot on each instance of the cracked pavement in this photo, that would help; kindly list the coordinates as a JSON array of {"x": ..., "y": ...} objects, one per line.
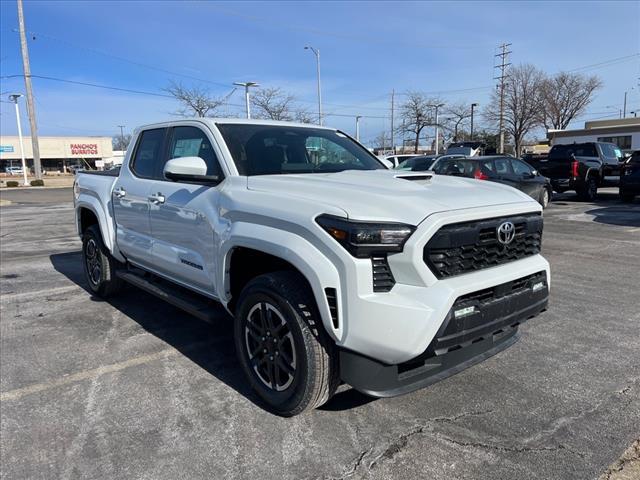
[{"x": 134, "y": 388}]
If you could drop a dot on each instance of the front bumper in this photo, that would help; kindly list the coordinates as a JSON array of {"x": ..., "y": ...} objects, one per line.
[{"x": 488, "y": 325}]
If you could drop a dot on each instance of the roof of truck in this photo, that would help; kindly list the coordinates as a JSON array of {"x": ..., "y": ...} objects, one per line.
[{"x": 246, "y": 121}]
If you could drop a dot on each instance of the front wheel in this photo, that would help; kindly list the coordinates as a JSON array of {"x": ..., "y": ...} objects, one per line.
[
  {"x": 545, "y": 196},
  {"x": 284, "y": 351},
  {"x": 99, "y": 266}
]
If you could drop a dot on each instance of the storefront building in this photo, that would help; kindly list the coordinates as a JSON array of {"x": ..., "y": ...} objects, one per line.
[
  {"x": 624, "y": 132},
  {"x": 57, "y": 154}
]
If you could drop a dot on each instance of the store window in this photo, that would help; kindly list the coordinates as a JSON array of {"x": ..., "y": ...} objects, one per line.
[{"x": 623, "y": 141}]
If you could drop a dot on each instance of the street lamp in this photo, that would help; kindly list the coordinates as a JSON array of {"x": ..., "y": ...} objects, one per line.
[
  {"x": 14, "y": 99},
  {"x": 246, "y": 86},
  {"x": 358, "y": 117},
  {"x": 317, "y": 54},
  {"x": 473, "y": 105}
]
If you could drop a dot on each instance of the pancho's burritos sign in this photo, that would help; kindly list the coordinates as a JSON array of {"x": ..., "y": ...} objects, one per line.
[{"x": 84, "y": 149}]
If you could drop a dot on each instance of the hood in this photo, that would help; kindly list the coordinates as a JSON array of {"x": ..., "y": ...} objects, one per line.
[{"x": 387, "y": 195}]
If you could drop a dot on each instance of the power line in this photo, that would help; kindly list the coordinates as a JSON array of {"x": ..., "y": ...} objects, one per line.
[
  {"x": 35, "y": 35},
  {"x": 607, "y": 63}
]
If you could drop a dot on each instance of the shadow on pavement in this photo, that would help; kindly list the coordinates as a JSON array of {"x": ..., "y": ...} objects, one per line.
[
  {"x": 182, "y": 331},
  {"x": 626, "y": 215}
]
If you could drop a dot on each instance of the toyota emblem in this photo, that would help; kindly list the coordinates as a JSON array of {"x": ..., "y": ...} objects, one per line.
[{"x": 506, "y": 232}]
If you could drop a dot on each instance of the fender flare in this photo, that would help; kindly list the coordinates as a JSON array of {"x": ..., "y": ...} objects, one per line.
[
  {"x": 105, "y": 222},
  {"x": 303, "y": 255}
]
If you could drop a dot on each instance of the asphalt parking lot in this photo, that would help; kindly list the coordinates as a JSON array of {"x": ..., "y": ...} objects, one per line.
[{"x": 134, "y": 388}]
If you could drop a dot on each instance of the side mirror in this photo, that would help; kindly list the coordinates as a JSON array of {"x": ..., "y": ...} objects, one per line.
[
  {"x": 189, "y": 170},
  {"x": 535, "y": 173}
]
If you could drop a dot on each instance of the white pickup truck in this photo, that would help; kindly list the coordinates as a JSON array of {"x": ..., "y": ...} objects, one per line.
[{"x": 333, "y": 267}]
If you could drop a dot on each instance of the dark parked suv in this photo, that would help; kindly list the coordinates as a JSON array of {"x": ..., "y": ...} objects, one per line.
[
  {"x": 630, "y": 178},
  {"x": 583, "y": 167},
  {"x": 506, "y": 170}
]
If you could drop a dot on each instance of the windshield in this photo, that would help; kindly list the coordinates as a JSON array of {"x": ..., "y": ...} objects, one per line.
[
  {"x": 283, "y": 149},
  {"x": 416, "y": 164}
]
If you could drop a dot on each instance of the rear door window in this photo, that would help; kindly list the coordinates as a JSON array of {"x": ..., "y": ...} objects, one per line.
[
  {"x": 503, "y": 166},
  {"x": 149, "y": 152}
]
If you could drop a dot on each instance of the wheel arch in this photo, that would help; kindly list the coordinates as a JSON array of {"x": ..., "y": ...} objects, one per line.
[
  {"x": 247, "y": 254},
  {"x": 90, "y": 212}
]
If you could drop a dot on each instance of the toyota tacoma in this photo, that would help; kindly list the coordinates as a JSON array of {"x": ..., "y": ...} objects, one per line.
[{"x": 334, "y": 268}]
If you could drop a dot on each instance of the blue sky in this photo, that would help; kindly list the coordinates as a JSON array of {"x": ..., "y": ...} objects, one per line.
[{"x": 367, "y": 49}]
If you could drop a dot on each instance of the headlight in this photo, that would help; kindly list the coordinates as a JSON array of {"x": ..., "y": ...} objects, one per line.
[{"x": 363, "y": 239}]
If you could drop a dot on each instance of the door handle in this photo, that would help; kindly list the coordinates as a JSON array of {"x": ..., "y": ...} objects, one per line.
[
  {"x": 158, "y": 198},
  {"x": 119, "y": 192}
]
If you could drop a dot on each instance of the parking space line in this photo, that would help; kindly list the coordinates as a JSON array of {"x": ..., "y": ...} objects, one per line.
[
  {"x": 96, "y": 372},
  {"x": 7, "y": 297}
]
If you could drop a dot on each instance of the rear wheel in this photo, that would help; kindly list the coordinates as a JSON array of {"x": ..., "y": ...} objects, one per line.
[
  {"x": 589, "y": 191},
  {"x": 626, "y": 197},
  {"x": 99, "y": 266},
  {"x": 285, "y": 353}
]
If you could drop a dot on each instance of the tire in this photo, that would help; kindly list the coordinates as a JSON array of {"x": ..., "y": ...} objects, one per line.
[
  {"x": 589, "y": 191},
  {"x": 280, "y": 307},
  {"x": 545, "y": 197},
  {"x": 99, "y": 266},
  {"x": 626, "y": 197}
]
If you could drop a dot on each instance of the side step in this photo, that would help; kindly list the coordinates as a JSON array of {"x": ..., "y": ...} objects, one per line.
[{"x": 197, "y": 305}]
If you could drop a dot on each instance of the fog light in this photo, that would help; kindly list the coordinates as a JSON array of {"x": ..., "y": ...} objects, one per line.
[
  {"x": 537, "y": 286},
  {"x": 464, "y": 312}
]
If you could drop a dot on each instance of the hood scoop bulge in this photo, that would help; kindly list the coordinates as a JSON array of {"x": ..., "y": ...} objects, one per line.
[{"x": 416, "y": 177}]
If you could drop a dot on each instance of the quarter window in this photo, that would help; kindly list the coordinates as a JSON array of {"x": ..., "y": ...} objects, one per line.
[{"x": 148, "y": 152}]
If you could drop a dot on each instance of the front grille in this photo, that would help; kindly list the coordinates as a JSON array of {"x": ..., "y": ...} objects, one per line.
[{"x": 466, "y": 247}]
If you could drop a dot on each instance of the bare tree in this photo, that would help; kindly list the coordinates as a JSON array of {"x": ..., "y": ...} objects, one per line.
[
  {"x": 303, "y": 115},
  {"x": 564, "y": 97},
  {"x": 382, "y": 141},
  {"x": 416, "y": 113},
  {"x": 458, "y": 114},
  {"x": 121, "y": 142},
  {"x": 522, "y": 103},
  {"x": 273, "y": 104},
  {"x": 195, "y": 101}
]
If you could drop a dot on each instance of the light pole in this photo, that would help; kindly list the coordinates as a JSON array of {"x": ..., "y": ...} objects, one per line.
[
  {"x": 473, "y": 105},
  {"x": 358, "y": 117},
  {"x": 624, "y": 115},
  {"x": 437, "y": 127},
  {"x": 317, "y": 54},
  {"x": 14, "y": 98},
  {"x": 246, "y": 86}
]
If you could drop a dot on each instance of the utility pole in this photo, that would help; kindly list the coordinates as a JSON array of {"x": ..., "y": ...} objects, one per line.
[
  {"x": 624, "y": 115},
  {"x": 502, "y": 77},
  {"x": 247, "y": 100},
  {"x": 473, "y": 105},
  {"x": 122, "y": 136},
  {"x": 27, "y": 83},
  {"x": 393, "y": 145},
  {"x": 358, "y": 117}
]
